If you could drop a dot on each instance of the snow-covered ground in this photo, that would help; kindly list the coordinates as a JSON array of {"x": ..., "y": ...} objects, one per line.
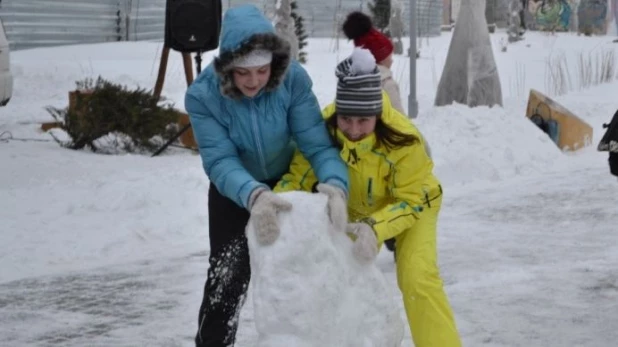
[{"x": 104, "y": 250}]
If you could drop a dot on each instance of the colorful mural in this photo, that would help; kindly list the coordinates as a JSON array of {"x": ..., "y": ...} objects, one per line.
[
  {"x": 591, "y": 17},
  {"x": 585, "y": 16},
  {"x": 551, "y": 15}
]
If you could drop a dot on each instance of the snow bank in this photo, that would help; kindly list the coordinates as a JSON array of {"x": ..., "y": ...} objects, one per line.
[
  {"x": 486, "y": 144},
  {"x": 308, "y": 290}
]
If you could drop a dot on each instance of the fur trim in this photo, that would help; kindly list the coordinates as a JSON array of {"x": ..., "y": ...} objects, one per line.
[
  {"x": 356, "y": 25},
  {"x": 224, "y": 67}
]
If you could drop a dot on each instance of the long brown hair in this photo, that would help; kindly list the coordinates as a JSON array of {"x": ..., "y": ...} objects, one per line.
[{"x": 385, "y": 135}]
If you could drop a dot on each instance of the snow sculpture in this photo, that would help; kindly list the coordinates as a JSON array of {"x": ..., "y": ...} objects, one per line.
[{"x": 309, "y": 291}]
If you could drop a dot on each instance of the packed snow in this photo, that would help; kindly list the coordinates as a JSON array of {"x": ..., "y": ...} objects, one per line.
[
  {"x": 316, "y": 299},
  {"x": 113, "y": 250}
]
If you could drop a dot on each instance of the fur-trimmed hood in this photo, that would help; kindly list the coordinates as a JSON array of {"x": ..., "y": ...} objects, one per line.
[{"x": 243, "y": 30}]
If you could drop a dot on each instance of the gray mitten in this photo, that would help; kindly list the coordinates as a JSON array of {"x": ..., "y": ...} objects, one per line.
[
  {"x": 263, "y": 210},
  {"x": 337, "y": 205},
  {"x": 365, "y": 247}
]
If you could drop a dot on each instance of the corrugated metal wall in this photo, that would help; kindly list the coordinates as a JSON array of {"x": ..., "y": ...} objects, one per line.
[
  {"x": 324, "y": 16},
  {"x": 37, "y": 23},
  {"x": 146, "y": 19}
]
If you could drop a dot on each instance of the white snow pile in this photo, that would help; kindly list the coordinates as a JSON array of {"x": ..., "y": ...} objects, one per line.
[
  {"x": 309, "y": 290},
  {"x": 486, "y": 144}
]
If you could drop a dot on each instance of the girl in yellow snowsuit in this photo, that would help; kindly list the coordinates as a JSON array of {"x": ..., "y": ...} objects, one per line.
[{"x": 393, "y": 193}]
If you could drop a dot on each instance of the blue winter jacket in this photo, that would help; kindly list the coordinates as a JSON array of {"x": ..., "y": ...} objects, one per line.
[{"x": 246, "y": 141}]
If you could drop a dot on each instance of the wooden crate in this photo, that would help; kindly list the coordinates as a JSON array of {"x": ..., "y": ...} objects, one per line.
[
  {"x": 186, "y": 139},
  {"x": 73, "y": 95}
]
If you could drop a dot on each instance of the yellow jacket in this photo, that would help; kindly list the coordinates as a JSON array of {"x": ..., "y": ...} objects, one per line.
[{"x": 388, "y": 188}]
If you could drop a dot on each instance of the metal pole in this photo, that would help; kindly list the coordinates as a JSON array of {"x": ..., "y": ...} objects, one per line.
[{"x": 412, "y": 102}]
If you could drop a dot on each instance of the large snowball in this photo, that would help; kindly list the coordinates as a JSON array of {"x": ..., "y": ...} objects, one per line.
[{"x": 309, "y": 291}]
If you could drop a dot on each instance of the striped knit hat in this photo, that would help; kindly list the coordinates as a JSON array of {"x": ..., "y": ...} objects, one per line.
[{"x": 359, "y": 89}]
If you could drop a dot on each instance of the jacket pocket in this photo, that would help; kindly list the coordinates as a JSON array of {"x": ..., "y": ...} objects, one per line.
[{"x": 432, "y": 194}]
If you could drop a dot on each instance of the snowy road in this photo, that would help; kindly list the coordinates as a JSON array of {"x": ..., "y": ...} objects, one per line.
[
  {"x": 534, "y": 261},
  {"x": 528, "y": 262},
  {"x": 140, "y": 304}
]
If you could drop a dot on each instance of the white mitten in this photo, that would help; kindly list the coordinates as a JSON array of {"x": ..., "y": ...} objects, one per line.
[
  {"x": 365, "y": 247},
  {"x": 337, "y": 205},
  {"x": 263, "y": 217}
]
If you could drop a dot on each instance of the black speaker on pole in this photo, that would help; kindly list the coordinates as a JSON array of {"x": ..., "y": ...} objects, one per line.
[{"x": 192, "y": 25}]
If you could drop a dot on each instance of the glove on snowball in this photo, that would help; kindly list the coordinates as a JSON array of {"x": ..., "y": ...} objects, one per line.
[
  {"x": 263, "y": 209},
  {"x": 337, "y": 205},
  {"x": 365, "y": 247}
]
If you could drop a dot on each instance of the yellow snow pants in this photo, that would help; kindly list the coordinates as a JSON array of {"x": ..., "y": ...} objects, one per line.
[{"x": 431, "y": 319}]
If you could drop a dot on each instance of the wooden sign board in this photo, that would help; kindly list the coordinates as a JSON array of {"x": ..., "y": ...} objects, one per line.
[{"x": 573, "y": 132}]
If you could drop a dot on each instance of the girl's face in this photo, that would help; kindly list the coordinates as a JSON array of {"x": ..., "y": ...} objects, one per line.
[
  {"x": 356, "y": 128},
  {"x": 250, "y": 80}
]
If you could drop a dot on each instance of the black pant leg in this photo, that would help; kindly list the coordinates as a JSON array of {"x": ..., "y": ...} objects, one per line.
[{"x": 228, "y": 275}]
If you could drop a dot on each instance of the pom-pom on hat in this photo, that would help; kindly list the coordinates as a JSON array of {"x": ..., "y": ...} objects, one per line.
[
  {"x": 358, "y": 27},
  {"x": 359, "y": 86}
]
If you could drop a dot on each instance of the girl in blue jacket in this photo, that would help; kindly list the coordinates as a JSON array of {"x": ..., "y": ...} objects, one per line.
[{"x": 249, "y": 109}]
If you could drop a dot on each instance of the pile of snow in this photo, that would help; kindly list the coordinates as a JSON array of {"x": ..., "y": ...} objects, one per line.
[
  {"x": 486, "y": 144},
  {"x": 324, "y": 297}
]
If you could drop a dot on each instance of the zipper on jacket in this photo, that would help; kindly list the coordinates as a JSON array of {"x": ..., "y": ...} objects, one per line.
[
  {"x": 370, "y": 191},
  {"x": 258, "y": 140}
]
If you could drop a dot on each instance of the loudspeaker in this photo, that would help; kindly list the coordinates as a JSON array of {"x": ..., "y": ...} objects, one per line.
[{"x": 192, "y": 25}]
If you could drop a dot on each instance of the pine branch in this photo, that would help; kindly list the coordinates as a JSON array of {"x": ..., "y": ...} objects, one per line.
[
  {"x": 136, "y": 120},
  {"x": 299, "y": 30}
]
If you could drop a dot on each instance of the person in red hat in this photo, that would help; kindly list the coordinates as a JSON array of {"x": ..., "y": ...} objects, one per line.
[{"x": 358, "y": 27}]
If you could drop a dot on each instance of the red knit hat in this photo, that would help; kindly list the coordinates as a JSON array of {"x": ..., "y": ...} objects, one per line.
[{"x": 358, "y": 27}]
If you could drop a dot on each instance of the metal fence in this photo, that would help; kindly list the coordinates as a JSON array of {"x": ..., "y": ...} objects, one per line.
[
  {"x": 429, "y": 17},
  {"x": 324, "y": 17},
  {"x": 38, "y": 23}
]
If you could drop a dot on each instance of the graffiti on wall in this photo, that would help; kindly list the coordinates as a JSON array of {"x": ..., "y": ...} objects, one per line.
[
  {"x": 592, "y": 16},
  {"x": 584, "y": 16},
  {"x": 551, "y": 15}
]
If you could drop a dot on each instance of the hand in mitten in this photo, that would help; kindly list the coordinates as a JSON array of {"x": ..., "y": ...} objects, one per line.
[
  {"x": 337, "y": 205},
  {"x": 264, "y": 208},
  {"x": 365, "y": 247}
]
